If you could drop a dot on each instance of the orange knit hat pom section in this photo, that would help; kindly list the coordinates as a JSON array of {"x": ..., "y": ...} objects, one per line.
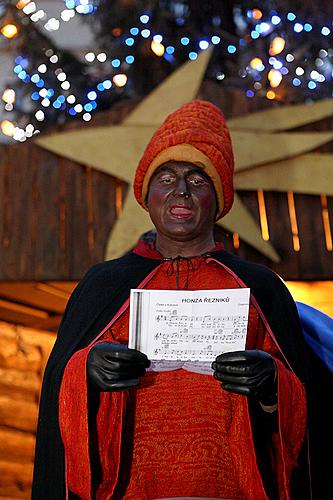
[{"x": 199, "y": 131}]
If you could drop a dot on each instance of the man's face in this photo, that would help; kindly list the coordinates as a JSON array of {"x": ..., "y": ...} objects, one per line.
[{"x": 181, "y": 201}]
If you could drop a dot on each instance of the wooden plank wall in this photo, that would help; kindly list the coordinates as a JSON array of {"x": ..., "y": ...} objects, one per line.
[
  {"x": 23, "y": 355},
  {"x": 55, "y": 216}
]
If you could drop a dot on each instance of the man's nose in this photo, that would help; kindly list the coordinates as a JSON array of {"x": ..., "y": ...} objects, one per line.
[{"x": 181, "y": 188}]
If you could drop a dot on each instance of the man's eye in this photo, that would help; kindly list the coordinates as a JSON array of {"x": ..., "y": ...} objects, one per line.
[
  {"x": 197, "y": 181},
  {"x": 166, "y": 180}
]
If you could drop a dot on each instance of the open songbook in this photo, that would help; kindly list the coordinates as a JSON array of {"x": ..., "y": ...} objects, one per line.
[{"x": 174, "y": 325}]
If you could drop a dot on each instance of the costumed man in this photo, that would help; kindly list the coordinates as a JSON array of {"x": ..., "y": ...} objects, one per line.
[{"x": 109, "y": 426}]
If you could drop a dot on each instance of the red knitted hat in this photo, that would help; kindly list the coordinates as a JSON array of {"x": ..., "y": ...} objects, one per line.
[{"x": 196, "y": 133}]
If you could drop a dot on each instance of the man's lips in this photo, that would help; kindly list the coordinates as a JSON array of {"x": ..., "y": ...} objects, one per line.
[{"x": 180, "y": 212}]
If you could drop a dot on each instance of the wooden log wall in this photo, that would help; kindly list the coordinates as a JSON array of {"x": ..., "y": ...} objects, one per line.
[{"x": 23, "y": 355}]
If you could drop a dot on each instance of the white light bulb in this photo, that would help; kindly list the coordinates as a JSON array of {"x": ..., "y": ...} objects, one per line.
[
  {"x": 39, "y": 115},
  {"x": 65, "y": 85},
  {"x": 101, "y": 57},
  {"x": 90, "y": 57}
]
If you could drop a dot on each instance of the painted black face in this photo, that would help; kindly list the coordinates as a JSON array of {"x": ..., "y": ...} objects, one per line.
[{"x": 181, "y": 201}]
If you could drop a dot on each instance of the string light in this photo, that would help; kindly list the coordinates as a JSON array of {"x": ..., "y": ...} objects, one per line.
[
  {"x": 277, "y": 46},
  {"x": 9, "y": 30},
  {"x": 8, "y": 96},
  {"x": 157, "y": 48},
  {"x": 7, "y": 128},
  {"x": 255, "y": 25},
  {"x": 120, "y": 80}
]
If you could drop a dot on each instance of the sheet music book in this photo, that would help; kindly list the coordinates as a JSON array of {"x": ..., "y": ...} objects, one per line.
[{"x": 188, "y": 325}]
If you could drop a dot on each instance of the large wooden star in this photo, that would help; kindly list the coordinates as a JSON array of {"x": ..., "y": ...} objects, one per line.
[{"x": 265, "y": 159}]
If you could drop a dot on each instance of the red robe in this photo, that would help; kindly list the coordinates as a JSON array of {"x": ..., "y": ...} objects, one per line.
[{"x": 178, "y": 434}]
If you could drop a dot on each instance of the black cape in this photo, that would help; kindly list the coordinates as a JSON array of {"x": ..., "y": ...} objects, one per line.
[{"x": 98, "y": 297}]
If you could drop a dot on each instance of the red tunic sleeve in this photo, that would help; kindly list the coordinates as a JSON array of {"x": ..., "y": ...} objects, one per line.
[{"x": 75, "y": 432}]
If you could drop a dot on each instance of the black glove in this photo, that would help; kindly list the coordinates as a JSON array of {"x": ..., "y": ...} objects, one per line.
[
  {"x": 115, "y": 367},
  {"x": 250, "y": 373}
]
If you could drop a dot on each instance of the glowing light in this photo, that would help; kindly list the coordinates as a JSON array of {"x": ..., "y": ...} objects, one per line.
[
  {"x": 264, "y": 27},
  {"x": 116, "y": 63},
  {"x": 29, "y": 8},
  {"x": 290, "y": 58},
  {"x": 90, "y": 57},
  {"x": 54, "y": 59},
  {"x": 88, "y": 107},
  {"x": 67, "y": 14},
  {"x": 157, "y": 48},
  {"x": 129, "y": 41},
  {"x": 254, "y": 34},
  {"x": 134, "y": 31},
  {"x": 65, "y": 85},
  {"x": 298, "y": 27},
  {"x": 42, "y": 68},
  {"x": 92, "y": 95},
  {"x": 21, "y": 3},
  {"x": 120, "y": 80},
  {"x": 256, "y": 63},
  {"x": 45, "y": 103},
  {"x": 170, "y": 49},
  {"x": 325, "y": 31},
  {"x": 7, "y": 128},
  {"x": 277, "y": 45},
  {"x": 220, "y": 76},
  {"x": 307, "y": 27},
  {"x": 101, "y": 57},
  {"x": 52, "y": 24},
  {"x": 9, "y": 30},
  {"x": 231, "y": 49},
  {"x": 56, "y": 104},
  {"x": 40, "y": 14},
  {"x": 86, "y": 117},
  {"x": 184, "y": 40},
  {"x": 270, "y": 94},
  {"x": 256, "y": 14},
  {"x": 250, "y": 93},
  {"x": 107, "y": 84},
  {"x": 61, "y": 76},
  {"x": 145, "y": 33},
  {"x": 299, "y": 71},
  {"x": 274, "y": 77},
  {"x": 78, "y": 108},
  {"x": 312, "y": 85},
  {"x": 8, "y": 96},
  {"x": 158, "y": 38},
  {"x": 35, "y": 96},
  {"x": 71, "y": 99},
  {"x": 296, "y": 82},
  {"x": 276, "y": 20},
  {"x": 129, "y": 59},
  {"x": 39, "y": 115},
  {"x": 43, "y": 92},
  {"x": 203, "y": 44},
  {"x": 193, "y": 56},
  {"x": 291, "y": 16},
  {"x": 215, "y": 40},
  {"x": 144, "y": 19}
]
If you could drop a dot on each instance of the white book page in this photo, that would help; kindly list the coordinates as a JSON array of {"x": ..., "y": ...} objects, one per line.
[{"x": 174, "y": 325}]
